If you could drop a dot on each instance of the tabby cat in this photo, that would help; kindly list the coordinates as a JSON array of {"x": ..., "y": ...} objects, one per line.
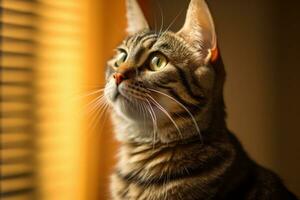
[{"x": 166, "y": 94}]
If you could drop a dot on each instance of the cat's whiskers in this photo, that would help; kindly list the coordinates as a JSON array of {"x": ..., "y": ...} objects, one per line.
[
  {"x": 95, "y": 114},
  {"x": 95, "y": 91},
  {"x": 155, "y": 22},
  {"x": 139, "y": 103},
  {"x": 99, "y": 99},
  {"x": 165, "y": 112},
  {"x": 144, "y": 110},
  {"x": 150, "y": 113},
  {"x": 154, "y": 120},
  {"x": 162, "y": 20},
  {"x": 172, "y": 22},
  {"x": 93, "y": 103},
  {"x": 182, "y": 106},
  {"x": 105, "y": 116},
  {"x": 97, "y": 108},
  {"x": 94, "y": 100}
]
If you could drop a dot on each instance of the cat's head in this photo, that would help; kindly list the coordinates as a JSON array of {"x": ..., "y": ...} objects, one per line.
[{"x": 164, "y": 86}]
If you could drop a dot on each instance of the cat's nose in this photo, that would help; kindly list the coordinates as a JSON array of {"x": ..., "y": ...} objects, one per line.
[{"x": 118, "y": 77}]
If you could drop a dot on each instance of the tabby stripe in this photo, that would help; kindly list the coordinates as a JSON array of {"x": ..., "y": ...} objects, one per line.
[
  {"x": 137, "y": 39},
  {"x": 123, "y": 193},
  {"x": 165, "y": 46},
  {"x": 168, "y": 79},
  {"x": 128, "y": 42},
  {"x": 152, "y": 42},
  {"x": 184, "y": 114},
  {"x": 148, "y": 36},
  {"x": 201, "y": 169},
  {"x": 186, "y": 84},
  {"x": 174, "y": 94},
  {"x": 140, "y": 194},
  {"x": 155, "y": 154},
  {"x": 191, "y": 107},
  {"x": 132, "y": 40}
]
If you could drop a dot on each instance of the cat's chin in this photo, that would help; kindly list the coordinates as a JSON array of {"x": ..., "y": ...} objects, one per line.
[{"x": 131, "y": 109}]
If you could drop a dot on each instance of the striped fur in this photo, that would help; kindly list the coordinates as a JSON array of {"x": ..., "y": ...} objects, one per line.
[{"x": 171, "y": 123}]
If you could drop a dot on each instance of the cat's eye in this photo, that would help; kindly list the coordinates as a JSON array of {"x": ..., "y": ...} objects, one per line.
[
  {"x": 158, "y": 62},
  {"x": 121, "y": 58}
]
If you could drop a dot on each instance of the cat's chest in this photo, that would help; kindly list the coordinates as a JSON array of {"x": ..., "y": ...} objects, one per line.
[
  {"x": 188, "y": 190},
  {"x": 122, "y": 189}
]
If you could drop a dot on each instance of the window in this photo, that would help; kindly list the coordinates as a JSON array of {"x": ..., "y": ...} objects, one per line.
[{"x": 42, "y": 55}]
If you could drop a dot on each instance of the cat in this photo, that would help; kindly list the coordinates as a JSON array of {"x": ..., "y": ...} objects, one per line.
[{"x": 166, "y": 94}]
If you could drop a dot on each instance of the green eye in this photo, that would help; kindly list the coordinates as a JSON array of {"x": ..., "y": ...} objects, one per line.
[
  {"x": 158, "y": 62},
  {"x": 121, "y": 58}
]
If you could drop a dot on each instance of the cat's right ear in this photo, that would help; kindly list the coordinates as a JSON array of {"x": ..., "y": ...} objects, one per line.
[
  {"x": 135, "y": 18},
  {"x": 199, "y": 30}
]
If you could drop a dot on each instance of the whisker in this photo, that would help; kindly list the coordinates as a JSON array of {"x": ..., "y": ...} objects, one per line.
[
  {"x": 162, "y": 19},
  {"x": 166, "y": 113},
  {"x": 152, "y": 118},
  {"x": 96, "y": 109},
  {"x": 155, "y": 23},
  {"x": 173, "y": 21},
  {"x": 106, "y": 107},
  {"x": 92, "y": 92},
  {"x": 99, "y": 113},
  {"x": 184, "y": 107},
  {"x": 92, "y": 104},
  {"x": 154, "y": 121},
  {"x": 145, "y": 109}
]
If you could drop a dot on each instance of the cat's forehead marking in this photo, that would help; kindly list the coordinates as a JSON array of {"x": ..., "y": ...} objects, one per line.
[
  {"x": 141, "y": 39},
  {"x": 148, "y": 40},
  {"x": 140, "y": 45}
]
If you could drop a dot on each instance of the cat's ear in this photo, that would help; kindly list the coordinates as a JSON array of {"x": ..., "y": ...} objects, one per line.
[
  {"x": 135, "y": 17},
  {"x": 199, "y": 29}
]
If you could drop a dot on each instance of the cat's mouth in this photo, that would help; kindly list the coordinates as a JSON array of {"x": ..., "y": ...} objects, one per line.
[
  {"x": 115, "y": 95},
  {"x": 130, "y": 95},
  {"x": 132, "y": 92},
  {"x": 131, "y": 100},
  {"x": 129, "y": 106},
  {"x": 126, "y": 94}
]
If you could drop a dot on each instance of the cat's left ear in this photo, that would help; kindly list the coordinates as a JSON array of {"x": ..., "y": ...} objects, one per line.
[
  {"x": 199, "y": 30},
  {"x": 135, "y": 18}
]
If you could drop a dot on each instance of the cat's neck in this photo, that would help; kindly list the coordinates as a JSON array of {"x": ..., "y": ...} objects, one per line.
[
  {"x": 137, "y": 133},
  {"x": 145, "y": 164},
  {"x": 143, "y": 157}
]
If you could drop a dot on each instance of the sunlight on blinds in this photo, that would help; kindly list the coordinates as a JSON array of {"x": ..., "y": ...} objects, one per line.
[
  {"x": 60, "y": 64},
  {"x": 17, "y": 136},
  {"x": 42, "y": 62}
]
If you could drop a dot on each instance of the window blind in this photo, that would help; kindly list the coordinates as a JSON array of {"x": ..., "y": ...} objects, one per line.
[
  {"x": 42, "y": 54},
  {"x": 17, "y": 176}
]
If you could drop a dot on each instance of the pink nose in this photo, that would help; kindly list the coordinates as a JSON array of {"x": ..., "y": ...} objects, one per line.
[{"x": 118, "y": 78}]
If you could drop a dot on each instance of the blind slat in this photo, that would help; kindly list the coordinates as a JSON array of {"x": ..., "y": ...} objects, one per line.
[{"x": 40, "y": 53}]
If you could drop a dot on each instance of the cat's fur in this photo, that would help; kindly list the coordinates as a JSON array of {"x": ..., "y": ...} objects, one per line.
[{"x": 178, "y": 146}]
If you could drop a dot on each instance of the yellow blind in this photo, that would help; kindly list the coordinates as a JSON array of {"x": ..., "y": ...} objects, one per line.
[
  {"x": 17, "y": 135},
  {"x": 42, "y": 55},
  {"x": 59, "y": 71}
]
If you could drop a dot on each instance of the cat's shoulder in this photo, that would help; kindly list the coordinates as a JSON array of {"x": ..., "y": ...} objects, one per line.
[{"x": 268, "y": 185}]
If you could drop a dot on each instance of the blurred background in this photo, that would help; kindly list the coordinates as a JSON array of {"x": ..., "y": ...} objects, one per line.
[{"x": 53, "y": 53}]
